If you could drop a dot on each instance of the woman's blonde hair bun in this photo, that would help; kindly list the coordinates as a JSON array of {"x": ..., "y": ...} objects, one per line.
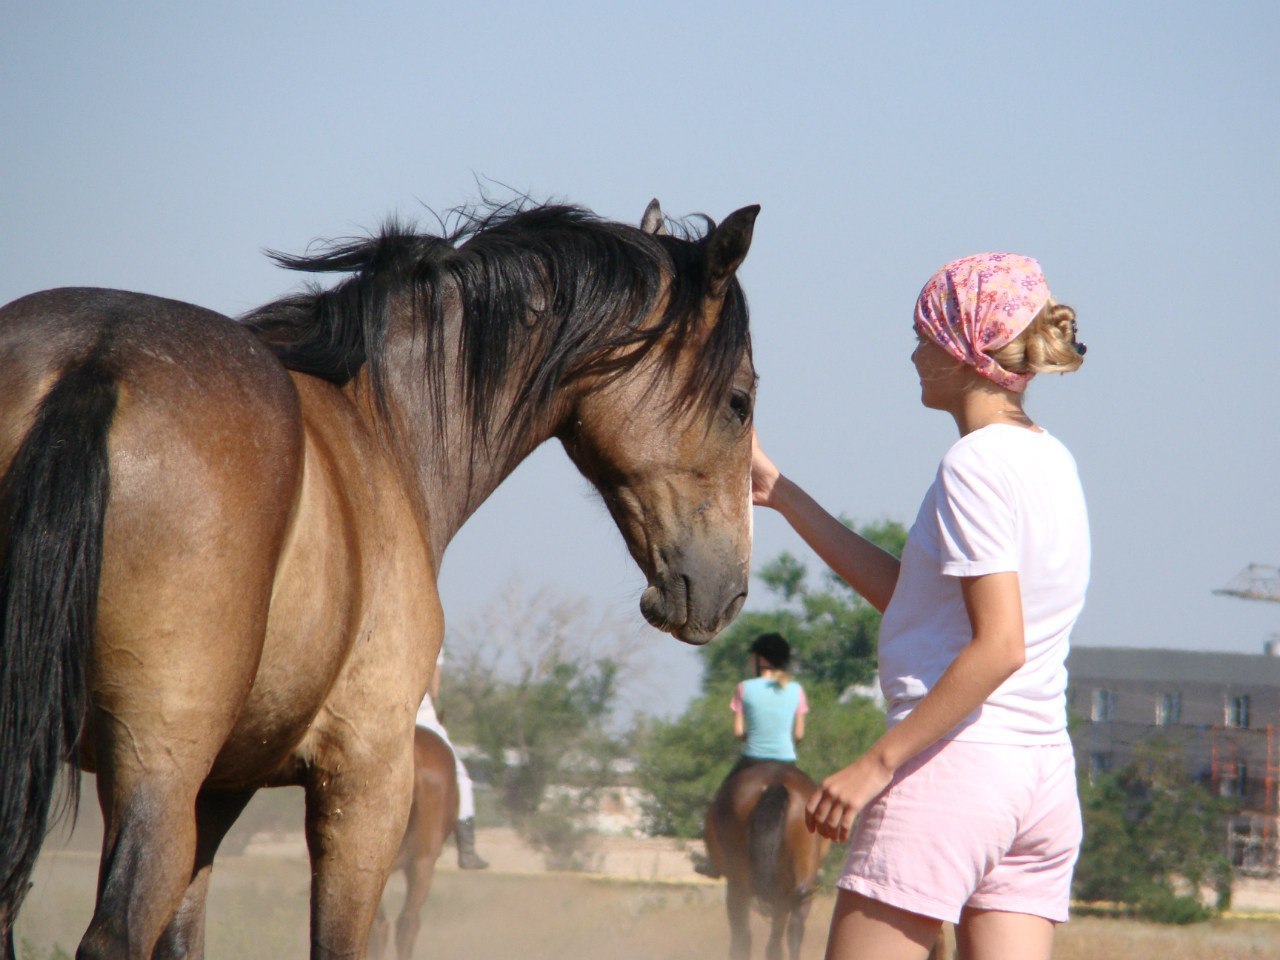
[{"x": 1047, "y": 345}]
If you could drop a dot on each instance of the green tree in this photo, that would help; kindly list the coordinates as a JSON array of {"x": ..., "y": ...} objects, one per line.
[
  {"x": 681, "y": 763},
  {"x": 533, "y": 688},
  {"x": 1152, "y": 839}
]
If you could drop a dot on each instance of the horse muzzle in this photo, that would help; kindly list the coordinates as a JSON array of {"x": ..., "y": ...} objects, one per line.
[{"x": 696, "y": 594}]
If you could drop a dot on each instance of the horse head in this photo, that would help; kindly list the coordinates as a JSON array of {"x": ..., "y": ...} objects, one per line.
[{"x": 666, "y": 439}]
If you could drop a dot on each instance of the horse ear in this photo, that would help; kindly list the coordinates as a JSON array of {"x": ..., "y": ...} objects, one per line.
[
  {"x": 653, "y": 221},
  {"x": 727, "y": 247}
]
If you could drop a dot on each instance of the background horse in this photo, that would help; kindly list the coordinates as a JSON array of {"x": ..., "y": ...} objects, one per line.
[
  {"x": 757, "y": 840},
  {"x": 431, "y": 820},
  {"x": 219, "y": 540}
]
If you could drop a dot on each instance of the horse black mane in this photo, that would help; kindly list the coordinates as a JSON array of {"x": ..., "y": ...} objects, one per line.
[{"x": 583, "y": 285}]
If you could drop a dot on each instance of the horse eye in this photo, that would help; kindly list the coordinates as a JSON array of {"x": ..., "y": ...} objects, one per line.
[{"x": 740, "y": 404}]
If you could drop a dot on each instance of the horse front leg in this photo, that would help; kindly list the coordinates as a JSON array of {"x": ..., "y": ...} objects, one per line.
[
  {"x": 356, "y": 815},
  {"x": 378, "y": 934}
]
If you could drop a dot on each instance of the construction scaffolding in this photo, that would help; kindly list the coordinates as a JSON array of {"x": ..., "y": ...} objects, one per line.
[{"x": 1253, "y": 832}]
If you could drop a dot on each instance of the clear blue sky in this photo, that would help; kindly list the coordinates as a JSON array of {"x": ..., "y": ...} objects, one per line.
[{"x": 1134, "y": 148}]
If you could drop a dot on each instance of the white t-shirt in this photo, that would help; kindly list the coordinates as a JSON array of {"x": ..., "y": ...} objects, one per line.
[{"x": 1005, "y": 499}]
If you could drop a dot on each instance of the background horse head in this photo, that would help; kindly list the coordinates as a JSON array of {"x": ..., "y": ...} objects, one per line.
[
  {"x": 757, "y": 840},
  {"x": 219, "y": 541}
]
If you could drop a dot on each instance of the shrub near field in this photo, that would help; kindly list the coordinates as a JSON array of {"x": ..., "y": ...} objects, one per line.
[{"x": 1152, "y": 840}]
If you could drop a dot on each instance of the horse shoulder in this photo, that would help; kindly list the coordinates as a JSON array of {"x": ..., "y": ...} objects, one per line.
[{"x": 355, "y": 596}]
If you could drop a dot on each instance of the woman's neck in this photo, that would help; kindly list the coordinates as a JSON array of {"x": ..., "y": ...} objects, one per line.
[{"x": 985, "y": 403}]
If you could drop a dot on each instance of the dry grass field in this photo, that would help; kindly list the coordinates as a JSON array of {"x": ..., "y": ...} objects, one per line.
[{"x": 258, "y": 909}]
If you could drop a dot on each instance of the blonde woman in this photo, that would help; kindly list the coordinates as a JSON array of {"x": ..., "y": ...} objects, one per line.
[{"x": 965, "y": 810}]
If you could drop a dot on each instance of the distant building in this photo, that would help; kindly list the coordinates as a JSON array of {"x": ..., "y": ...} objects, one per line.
[{"x": 1221, "y": 709}]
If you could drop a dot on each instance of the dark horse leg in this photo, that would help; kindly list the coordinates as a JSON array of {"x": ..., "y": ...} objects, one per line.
[
  {"x": 183, "y": 939},
  {"x": 148, "y": 850},
  {"x": 795, "y": 926},
  {"x": 777, "y": 927},
  {"x": 737, "y": 902}
]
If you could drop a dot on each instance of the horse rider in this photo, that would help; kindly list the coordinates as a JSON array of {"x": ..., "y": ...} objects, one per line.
[
  {"x": 464, "y": 833},
  {"x": 768, "y": 711}
]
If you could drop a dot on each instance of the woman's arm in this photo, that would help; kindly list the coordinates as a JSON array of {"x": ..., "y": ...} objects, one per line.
[
  {"x": 739, "y": 727},
  {"x": 998, "y": 649},
  {"x": 857, "y": 561},
  {"x": 798, "y": 730}
]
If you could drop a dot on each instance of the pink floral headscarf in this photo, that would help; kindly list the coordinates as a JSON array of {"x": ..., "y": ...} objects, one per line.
[{"x": 978, "y": 304}]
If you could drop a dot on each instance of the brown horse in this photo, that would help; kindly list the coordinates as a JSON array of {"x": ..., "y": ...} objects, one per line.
[
  {"x": 219, "y": 540},
  {"x": 757, "y": 840},
  {"x": 431, "y": 820}
]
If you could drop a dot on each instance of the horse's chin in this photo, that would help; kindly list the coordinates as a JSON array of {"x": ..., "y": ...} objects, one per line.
[{"x": 670, "y": 615}]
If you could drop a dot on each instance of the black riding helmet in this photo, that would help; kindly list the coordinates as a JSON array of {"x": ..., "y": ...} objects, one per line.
[{"x": 773, "y": 649}]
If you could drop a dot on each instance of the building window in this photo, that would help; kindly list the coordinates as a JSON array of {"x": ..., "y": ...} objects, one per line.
[
  {"x": 1236, "y": 782},
  {"x": 1238, "y": 711},
  {"x": 1104, "y": 706},
  {"x": 1169, "y": 709}
]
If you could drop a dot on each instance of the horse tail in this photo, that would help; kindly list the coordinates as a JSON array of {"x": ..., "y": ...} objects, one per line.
[
  {"x": 52, "y": 504},
  {"x": 766, "y": 835}
]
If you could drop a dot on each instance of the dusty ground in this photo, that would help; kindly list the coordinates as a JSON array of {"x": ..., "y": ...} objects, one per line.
[{"x": 644, "y": 903}]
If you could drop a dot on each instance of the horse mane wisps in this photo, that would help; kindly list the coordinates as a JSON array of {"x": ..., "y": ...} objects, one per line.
[{"x": 581, "y": 285}]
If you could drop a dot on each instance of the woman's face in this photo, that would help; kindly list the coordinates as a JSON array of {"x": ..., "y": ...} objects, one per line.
[{"x": 941, "y": 375}]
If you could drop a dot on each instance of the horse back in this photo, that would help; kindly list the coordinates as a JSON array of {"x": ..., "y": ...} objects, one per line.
[{"x": 166, "y": 356}]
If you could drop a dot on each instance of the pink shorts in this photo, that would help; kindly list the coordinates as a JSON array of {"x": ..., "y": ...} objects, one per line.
[{"x": 982, "y": 825}]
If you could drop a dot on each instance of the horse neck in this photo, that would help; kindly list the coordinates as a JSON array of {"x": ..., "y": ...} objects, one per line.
[{"x": 452, "y": 466}]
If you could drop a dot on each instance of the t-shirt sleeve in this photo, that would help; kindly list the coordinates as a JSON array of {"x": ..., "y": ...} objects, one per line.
[
  {"x": 736, "y": 703},
  {"x": 802, "y": 705},
  {"x": 977, "y": 525}
]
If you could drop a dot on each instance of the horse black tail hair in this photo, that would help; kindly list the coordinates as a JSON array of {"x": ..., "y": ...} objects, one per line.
[
  {"x": 53, "y": 501},
  {"x": 766, "y": 834}
]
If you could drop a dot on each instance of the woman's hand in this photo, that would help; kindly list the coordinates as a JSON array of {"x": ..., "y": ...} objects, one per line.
[
  {"x": 763, "y": 473},
  {"x": 832, "y": 810}
]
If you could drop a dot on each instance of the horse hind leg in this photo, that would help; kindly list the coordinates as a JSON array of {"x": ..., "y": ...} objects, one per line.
[
  {"x": 148, "y": 851},
  {"x": 737, "y": 902},
  {"x": 183, "y": 938},
  {"x": 795, "y": 926},
  {"x": 420, "y": 874},
  {"x": 777, "y": 927}
]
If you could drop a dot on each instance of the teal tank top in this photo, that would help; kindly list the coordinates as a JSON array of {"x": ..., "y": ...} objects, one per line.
[{"x": 769, "y": 709}]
